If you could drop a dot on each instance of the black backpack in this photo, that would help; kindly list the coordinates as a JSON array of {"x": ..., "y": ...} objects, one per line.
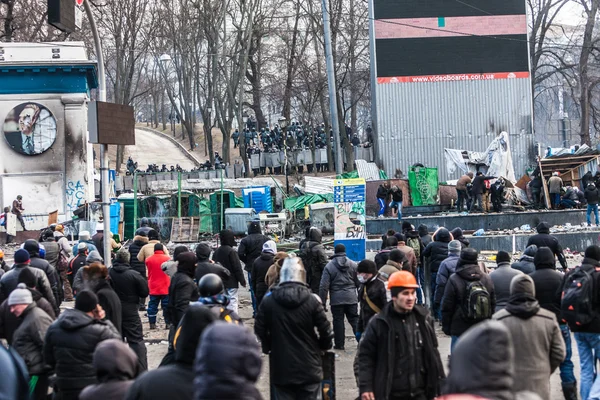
[
  {"x": 477, "y": 305},
  {"x": 577, "y": 299}
]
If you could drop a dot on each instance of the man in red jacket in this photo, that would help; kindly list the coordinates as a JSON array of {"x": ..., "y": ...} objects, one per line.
[{"x": 158, "y": 283}]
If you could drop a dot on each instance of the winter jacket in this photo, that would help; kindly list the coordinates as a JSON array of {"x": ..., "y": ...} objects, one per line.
[
  {"x": 250, "y": 247},
  {"x": 98, "y": 240},
  {"x": 591, "y": 266},
  {"x": 76, "y": 263},
  {"x": 143, "y": 230},
  {"x": 69, "y": 347},
  {"x": 525, "y": 263},
  {"x": 260, "y": 266},
  {"x": 374, "y": 289},
  {"x": 169, "y": 268},
  {"x": 314, "y": 258},
  {"x": 461, "y": 184},
  {"x": 382, "y": 257},
  {"x": 228, "y": 258},
  {"x": 537, "y": 340},
  {"x": 182, "y": 291},
  {"x": 482, "y": 363},
  {"x": 411, "y": 259},
  {"x": 52, "y": 253},
  {"x": 14, "y": 379},
  {"x": 591, "y": 195},
  {"x": 437, "y": 251},
  {"x": 51, "y": 274},
  {"x": 458, "y": 234},
  {"x": 424, "y": 235},
  {"x": 501, "y": 277},
  {"x": 134, "y": 250},
  {"x": 555, "y": 183},
  {"x": 378, "y": 354},
  {"x": 544, "y": 239},
  {"x": 285, "y": 324},
  {"x": 382, "y": 192},
  {"x": 90, "y": 246},
  {"x": 207, "y": 267},
  {"x": 339, "y": 281},
  {"x": 109, "y": 301},
  {"x": 63, "y": 243},
  {"x": 230, "y": 348},
  {"x": 479, "y": 184},
  {"x": 9, "y": 322},
  {"x": 78, "y": 283},
  {"x": 447, "y": 268},
  {"x": 148, "y": 251},
  {"x": 158, "y": 281},
  {"x": 130, "y": 286},
  {"x": 9, "y": 282},
  {"x": 454, "y": 302},
  {"x": 28, "y": 339},
  {"x": 389, "y": 268},
  {"x": 548, "y": 283},
  {"x": 116, "y": 369}
]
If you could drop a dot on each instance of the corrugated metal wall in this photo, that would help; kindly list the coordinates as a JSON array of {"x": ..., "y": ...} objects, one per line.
[{"x": 416, "y": 121}]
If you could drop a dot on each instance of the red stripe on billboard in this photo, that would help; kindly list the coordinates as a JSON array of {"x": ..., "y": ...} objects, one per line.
[
  {"x": 453, "y": 77},
  {"x": 491, "y": 25}
]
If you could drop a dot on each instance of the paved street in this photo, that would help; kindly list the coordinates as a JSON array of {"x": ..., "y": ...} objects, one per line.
[{"x": 151, "y": 148}]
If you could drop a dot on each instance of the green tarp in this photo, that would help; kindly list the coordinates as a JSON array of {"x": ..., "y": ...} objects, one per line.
[
  {"x": 423, "y": 184},
  {"x": 354, "y": 174},
  {"x": 294, "y": 204}
]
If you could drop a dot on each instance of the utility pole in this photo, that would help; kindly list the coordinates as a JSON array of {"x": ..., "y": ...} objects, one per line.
[
  {"x": 104, "y": 182},
  {"x": 563, "y": 116},
  {"x": 332, "y": 88}
]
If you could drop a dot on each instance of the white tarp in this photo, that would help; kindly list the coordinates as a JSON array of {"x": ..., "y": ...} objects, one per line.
[{"x": 497, "y": 157}]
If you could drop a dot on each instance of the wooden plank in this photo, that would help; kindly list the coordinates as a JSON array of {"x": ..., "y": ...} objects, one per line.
[{"x": 544, "y": 185}]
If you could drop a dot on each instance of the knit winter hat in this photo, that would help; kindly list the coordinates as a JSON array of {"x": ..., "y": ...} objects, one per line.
[
  {"x": 94, "y": 256},
  {"x": 269, "y": 247},
  {"x": 86, "y": 301},
  {"x": 593, "y": 252},
  {"x": 21, "y": 256},
  {"x": 339, "y": 248},
  {"x": 367, "y": 267},
  {"x": 203, "y": 251},
  {"x": 21, "y": 295},
  {"x": 468, "y": 256},
  {"x": 454, "y": 247},
  {"x": 502, "y": 257}
]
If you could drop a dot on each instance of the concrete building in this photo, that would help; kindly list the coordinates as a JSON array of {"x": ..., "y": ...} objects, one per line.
[{"x": 45, "y": 155}]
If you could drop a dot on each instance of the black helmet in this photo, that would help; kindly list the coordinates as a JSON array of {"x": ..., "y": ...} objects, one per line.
[
  {"x": 145, "y": 221},
  {"x": 210, "y": 285}
]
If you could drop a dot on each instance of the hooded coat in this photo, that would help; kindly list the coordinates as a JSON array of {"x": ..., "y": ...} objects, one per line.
[
  {"x": 447, "y": 268},
  {"x": 260, "y": 267},
  {"x": 228, "y": 258},
  {"x": 116, "y": 367},
  {"x": 109, "y": 301},
  {"x": 10, "y": 280},
  {"x": 285, "y": 324},
  {"x": 589, "y": 265},
  {"x": 591, "y": 194},
  {"x": 183, "y": 289},
  {"x": 537, "y": 340},
  {"x": 9, "y": 322},
  {"x": 437, "y": 251},
  {"x": 424, "y": 235},
  {"x": 69, "y": 348},
  {"x": 176, "y": 381},
  {"x": 28, "y": 339},
  {"x": 250, "y": 247},
  {"x": 134, "y": 251},
  {"x": 228, "y": 364},
  {"x": 36, "y": 261},
  {"x": 458, "y": 234},
  {"x": 544, "y": 239},
  {"x": 547, "y": 281},
  {"x": 501, "y": 277},
  {"x": 525, "y": 263},
  {"x": 454, "y": 302},
  {"x": 314, "y": 258},
  {"x": 340, "y": 281}
]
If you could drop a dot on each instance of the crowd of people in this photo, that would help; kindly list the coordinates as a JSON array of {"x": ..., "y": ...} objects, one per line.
[{"x": 510, "y": 328}]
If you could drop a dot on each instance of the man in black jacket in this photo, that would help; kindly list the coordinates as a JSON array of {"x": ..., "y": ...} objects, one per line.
[
  {"x": 130, "y": 286},
  {"x": 207, "y": 266},
  {"x": 454, "y": 303},
  {"x": 314, "y": 258},
  {"x": 228, "y": 258},
  {"x": 95, "y": 277},
  {"x": 544, "y": 239},
  {"x": 70, "y": 343},
  {"x": 285, "y": 325},
  {"x": 182, "y": 289},
  {"x": 249, "y": 250},
  {"x": 548, "y": 284},
  {"x": 144, "y": 229},
  {"x": 33, "y": 247},
  {"x": 382, "y": 194},
  {"x": 383, "y": 256},
  {"x": 372, "y": 295},
  {"x": 435, "y": 253},
  {"x": 139, "y": 241},
  {"x": 260, "y": 266},
  {"x": 592, "y": 196},
  {"x": 398, "y": 355},
  {"x": 479, "y": 189}
]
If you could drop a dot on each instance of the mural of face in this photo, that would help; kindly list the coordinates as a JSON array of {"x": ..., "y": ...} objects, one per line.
[{"x": 27, "y": 118}]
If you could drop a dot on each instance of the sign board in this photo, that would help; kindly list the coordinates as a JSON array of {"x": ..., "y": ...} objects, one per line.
[
  {"x": 349, "y": 196},
  {"x": 110, "y": 123},
  {"x": 61, "y": 15}
]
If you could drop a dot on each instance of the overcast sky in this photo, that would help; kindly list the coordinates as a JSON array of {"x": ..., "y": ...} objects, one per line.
[{"x": 571, "y": 13}]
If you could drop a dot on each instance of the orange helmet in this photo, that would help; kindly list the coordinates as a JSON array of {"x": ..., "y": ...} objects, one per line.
[
  {"x": 402, "y": 279},
  {"x": 1, "y": 254}
]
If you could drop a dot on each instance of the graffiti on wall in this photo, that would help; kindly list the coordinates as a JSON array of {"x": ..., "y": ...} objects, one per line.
[
  {"x": 75, "y": 195},
  {"x": 349, "y": 221}
]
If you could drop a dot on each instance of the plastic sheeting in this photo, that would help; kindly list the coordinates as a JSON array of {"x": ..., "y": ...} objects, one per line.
[
  {"x": 497, "y": 157},
  {"x": 294, "y": 204}
]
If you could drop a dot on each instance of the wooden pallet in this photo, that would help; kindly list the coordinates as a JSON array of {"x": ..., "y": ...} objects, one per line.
[{"x": 185, "y": 229}]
